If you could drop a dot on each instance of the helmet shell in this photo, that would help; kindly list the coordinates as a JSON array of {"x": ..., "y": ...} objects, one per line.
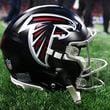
[{"x": 27, "y": 38}]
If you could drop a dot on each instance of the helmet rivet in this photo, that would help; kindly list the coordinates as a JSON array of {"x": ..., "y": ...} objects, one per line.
[
  {"x": 53, "y": 85},
  {"x": 56, "y": 72}
]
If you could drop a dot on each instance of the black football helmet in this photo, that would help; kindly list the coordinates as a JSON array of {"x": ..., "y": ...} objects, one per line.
[{"x": 43, "y": 48}]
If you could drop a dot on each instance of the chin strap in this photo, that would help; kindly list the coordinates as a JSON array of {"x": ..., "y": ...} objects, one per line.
[{"x": 74, "y": 93}]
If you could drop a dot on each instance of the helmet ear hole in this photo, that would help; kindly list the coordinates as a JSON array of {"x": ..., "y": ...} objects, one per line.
[
  {"x": 73, "y": 71},
  {"x": 69, "y": 72}
]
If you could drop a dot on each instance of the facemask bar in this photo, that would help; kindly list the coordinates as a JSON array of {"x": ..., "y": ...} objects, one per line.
[
  {"x": 93, "y": 75},
  {"x": 85, "y": 63},
  {"x": 70, "y": 50}
]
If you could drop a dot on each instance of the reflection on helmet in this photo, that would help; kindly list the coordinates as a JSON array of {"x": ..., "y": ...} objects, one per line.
[{"x": 46, "y": 47}]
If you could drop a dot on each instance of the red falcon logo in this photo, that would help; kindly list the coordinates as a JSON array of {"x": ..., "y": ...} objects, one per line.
[{"x": 43, "y": 28}]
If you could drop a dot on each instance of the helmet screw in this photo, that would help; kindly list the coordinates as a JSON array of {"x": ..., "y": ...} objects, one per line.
[
  {"x": 53, "y": 85},
  {"x": 56, "y": 72}
]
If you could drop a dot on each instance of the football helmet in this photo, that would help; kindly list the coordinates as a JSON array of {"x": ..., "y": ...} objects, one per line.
[{"x": 48, "y": 47}]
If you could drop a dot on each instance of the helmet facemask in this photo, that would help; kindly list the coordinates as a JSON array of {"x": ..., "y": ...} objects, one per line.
[{"x": 89, "y": 77}]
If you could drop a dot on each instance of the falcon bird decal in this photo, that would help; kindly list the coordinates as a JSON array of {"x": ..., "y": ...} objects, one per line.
[{"x": 42, "y": 29}]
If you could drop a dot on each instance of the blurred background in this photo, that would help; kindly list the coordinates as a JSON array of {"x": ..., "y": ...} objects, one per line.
[
  {"x": 91, "y": 11},
  {"x": 5, "y": 6}
]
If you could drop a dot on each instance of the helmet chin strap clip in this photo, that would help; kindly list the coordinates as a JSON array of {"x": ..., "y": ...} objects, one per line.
[
  {"x": 69, "y": 86},
  {"x": 74, "y": 93}
]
